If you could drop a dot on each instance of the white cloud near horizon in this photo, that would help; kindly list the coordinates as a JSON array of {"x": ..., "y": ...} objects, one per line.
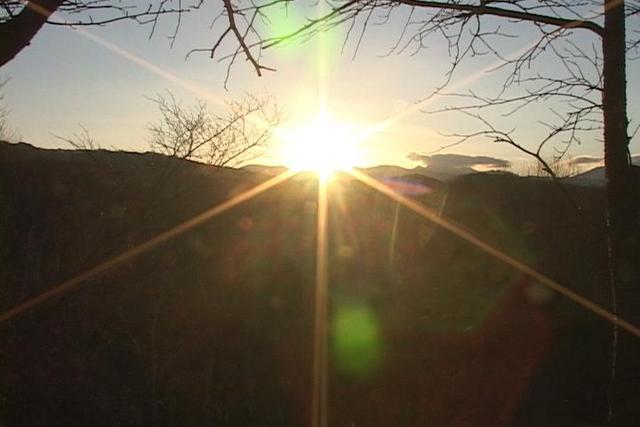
[
  {"x": 585, "y": 160},
  {"x": 457, "y": 162},
  {"x": 597, "y": 160}
]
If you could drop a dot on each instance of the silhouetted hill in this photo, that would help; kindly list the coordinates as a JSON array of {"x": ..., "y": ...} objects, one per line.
[
  {"x": 215, "y": 326},
  {"x": 596, "y": 177},
  {"x": 592, "y": 178},
  {"x": 268, "y": 170}
]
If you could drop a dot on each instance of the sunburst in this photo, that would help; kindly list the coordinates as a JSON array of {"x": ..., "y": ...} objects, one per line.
[{"x": 322, "y": 145}]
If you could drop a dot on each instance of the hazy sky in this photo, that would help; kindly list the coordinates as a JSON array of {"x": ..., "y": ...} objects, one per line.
[{"x": 100, "y": 78}]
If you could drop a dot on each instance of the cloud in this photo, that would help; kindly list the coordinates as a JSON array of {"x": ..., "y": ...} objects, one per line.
[
  {"x": 458, "y": 162},
  {"x": 595, "y": 160},
  {"x": 585, "y": 160},
  {"x": 448, "y": 165}
]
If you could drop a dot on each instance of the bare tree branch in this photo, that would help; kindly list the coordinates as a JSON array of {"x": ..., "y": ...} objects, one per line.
[
  {"x": 197, "y": 134},
  {"x": 20, "y": 21}
]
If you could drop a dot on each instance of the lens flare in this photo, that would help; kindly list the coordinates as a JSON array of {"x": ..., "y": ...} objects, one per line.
[{"x": 356, "y": 340}]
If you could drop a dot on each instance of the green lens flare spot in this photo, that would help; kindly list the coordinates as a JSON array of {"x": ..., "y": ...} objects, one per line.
[
  {"x": 356, "y": 341},
  {"x": 281, "y": 21}
]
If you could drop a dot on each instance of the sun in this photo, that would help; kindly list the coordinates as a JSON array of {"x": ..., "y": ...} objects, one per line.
[{"x": 322, "y": 145}]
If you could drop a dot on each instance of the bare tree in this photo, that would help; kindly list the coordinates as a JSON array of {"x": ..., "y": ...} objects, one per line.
[
  {"x": 4, "y": 112},
  {"x": 81, "y": 140},
  {"x": 7, "y": 133},
  {"x": 20, "y": 20},
  {"x": 198, "y": 134}
]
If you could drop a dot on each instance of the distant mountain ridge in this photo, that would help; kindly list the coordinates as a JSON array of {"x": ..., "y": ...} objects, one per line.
[
  {"x": 382, "y": 171},
  {"x": 594, "y": 177},
  {"x": 26, "y": 150},
  {"x": 387, "y": 171}
]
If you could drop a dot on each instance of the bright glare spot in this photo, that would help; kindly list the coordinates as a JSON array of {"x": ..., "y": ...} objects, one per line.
[{"x": 323, "y": 146}]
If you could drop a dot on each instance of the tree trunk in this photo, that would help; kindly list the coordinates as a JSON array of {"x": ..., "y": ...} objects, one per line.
[
  {"x": 17, "y": 32},
  {"x": 622, "y": 211}
]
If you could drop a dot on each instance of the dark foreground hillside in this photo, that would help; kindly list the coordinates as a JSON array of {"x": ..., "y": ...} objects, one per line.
[{"x": 215, "y": 327}]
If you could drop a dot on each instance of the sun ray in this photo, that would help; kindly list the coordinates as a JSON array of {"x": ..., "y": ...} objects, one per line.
[
  {"x": 143, "y": 63},
  {"x": 322, "y": 67},
  {"x": 74, "y": 282},
  {"x": 132, "y": 57},
  {"x": 324, "y": 170},
  {"x": 320, "y": 363},
  {"x": 394, "y": 235},
  {"x": 496, "y": 253},
  {"x": 166, "y": 75},
  {"x": 413, "y": 108}
]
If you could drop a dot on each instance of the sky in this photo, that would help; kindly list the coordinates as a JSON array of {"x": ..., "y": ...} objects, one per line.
[{"x": 101, "y": 78}]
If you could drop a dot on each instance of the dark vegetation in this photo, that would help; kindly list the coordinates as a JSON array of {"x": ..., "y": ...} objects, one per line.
[{"x": 215, "y": 327}]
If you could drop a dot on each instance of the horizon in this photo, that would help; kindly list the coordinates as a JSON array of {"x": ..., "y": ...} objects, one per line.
[{"x": 525, "y": 169}]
